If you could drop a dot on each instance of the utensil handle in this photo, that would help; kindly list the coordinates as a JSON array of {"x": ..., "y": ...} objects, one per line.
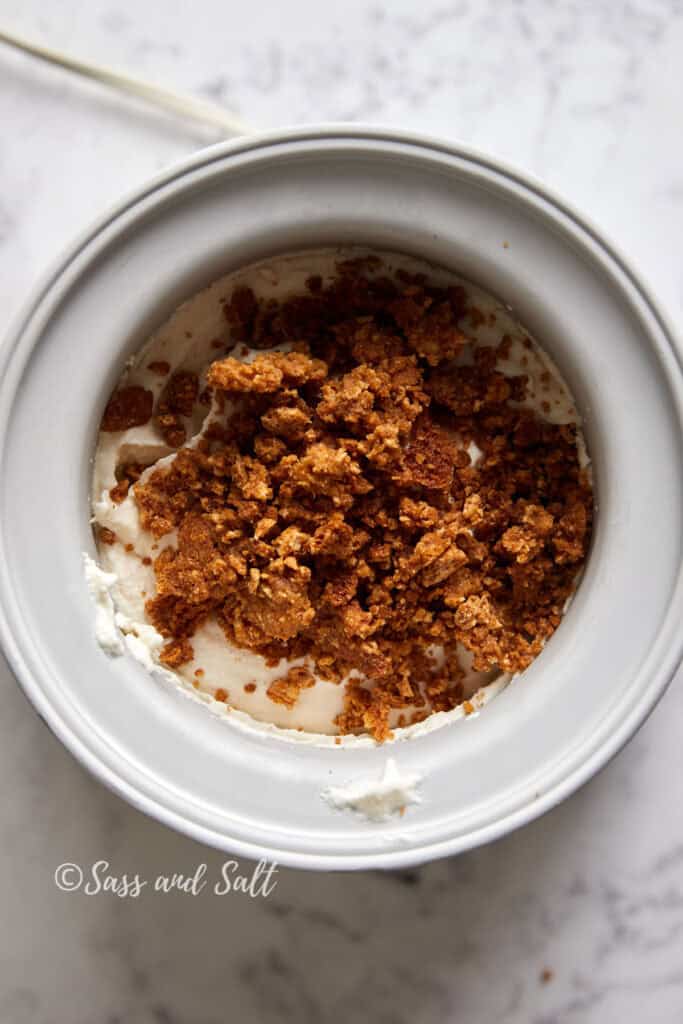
[{"x": 180, "y": 103}]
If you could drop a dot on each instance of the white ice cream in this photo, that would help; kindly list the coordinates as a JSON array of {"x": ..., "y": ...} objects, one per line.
[
  {"x": 100, "y": 584},
  {"x": 376, "y": 799},
  {"x": 195, "y": 335}
]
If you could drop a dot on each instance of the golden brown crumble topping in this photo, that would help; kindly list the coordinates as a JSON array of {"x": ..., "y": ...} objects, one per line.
[
  {"x": 177, "y": 401},
  {"x": 176, "y": 652},
  {"x": 286, "y": 689},
  {"x": 126, "y": 475},
  {"x": 127, "y": 407},
  {"x": 333, "y": 512}
]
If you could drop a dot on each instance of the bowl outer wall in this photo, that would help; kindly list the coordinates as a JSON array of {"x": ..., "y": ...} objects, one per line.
[{"x": 548, "y": 732}]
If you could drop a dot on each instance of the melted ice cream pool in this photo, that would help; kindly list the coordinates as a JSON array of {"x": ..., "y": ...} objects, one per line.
[{"x": 193, "y": 337}]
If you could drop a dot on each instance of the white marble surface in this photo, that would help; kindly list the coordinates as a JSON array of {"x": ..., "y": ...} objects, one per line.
[{"x": 587, "y": 96}]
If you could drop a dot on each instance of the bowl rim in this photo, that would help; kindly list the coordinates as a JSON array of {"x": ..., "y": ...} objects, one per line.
[{"x": 657, "y": 679}]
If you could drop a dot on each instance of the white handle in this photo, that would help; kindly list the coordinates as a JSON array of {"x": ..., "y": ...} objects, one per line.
[{"x": 190, "y": 106}]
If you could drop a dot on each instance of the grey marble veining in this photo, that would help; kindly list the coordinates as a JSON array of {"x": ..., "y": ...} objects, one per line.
[{"x": 576, "y": 918}]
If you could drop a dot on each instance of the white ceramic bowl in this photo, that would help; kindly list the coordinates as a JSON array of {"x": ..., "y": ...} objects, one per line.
[{"x": 621, "y": 640}]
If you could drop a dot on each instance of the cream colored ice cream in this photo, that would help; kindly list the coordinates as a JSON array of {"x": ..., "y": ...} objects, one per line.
[
  {"x": 190, "y": 340},
  {"x": 376, "y": 798}
]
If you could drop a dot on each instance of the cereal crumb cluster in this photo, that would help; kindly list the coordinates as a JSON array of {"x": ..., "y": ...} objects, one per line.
[{"x": 332, "y": 512}]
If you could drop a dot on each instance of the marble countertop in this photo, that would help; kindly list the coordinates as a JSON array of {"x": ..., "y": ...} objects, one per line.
[{"x": 579, "y": 916}]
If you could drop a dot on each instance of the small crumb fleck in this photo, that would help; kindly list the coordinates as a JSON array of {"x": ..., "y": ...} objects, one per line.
[
  {"x": 159, "y": 366},
  {"x": 546, "y": 976},
  {"x": 249, "y": 687}
]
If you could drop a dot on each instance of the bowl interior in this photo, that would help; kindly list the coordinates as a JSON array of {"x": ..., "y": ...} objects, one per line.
[{"x": 551, "y": 728}]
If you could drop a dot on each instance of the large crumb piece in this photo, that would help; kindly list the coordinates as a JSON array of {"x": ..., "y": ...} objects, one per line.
[
  {"x": 287, "y": 688},
  {"x": 262, "y": 377},
  {"x": 266, "y": 374},
  {"x": 431, "y": 330},
  {"x": 176, "y": 653},
  {"x": 126, "y": 476},
  {"x": 177, "y": 401},
  {"x": 289, "y": 422},
  {"x": 431, "y": 456},
  {"x": 274, "y": 605},
  {"x": 128, "y": 407}
]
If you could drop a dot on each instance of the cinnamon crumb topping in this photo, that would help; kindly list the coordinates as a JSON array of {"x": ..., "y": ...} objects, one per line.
[
  {"x": 287, "y": 688},
  {"x": 127, "y": 475},
  {"x": 334, "y": 513},
  {"x": 176, "y": 652},
  {"x": 127, "y": 407},
  {"x": 176, "y": 402},
  {"x": 159, "y": 366}
]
